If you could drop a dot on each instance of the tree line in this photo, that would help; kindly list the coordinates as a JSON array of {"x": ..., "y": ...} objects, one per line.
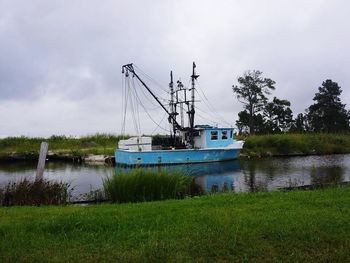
[{"x": 261, "y": 115}]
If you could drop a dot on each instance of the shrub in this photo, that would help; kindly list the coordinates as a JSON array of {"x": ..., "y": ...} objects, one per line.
[{"x": 38, "y": 192}]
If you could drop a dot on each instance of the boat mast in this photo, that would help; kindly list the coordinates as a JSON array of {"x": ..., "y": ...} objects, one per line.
[
  {"x": 180, "y": 87},
  {"x": 191, "y": 112},
  {"x": 172, "y": 107}
]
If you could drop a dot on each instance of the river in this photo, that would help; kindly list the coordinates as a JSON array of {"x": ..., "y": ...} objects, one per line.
[{"x": 240, "y": 176}]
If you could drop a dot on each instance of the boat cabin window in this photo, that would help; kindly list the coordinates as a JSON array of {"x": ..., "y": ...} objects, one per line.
[
  {"x": 231, "y": 133},
  {"x": 214, "y": 135},
  {"x": 224, "y": 135}
]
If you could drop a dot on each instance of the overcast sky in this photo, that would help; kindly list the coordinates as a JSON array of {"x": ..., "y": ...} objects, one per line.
[{"x": 60, "y": 61}]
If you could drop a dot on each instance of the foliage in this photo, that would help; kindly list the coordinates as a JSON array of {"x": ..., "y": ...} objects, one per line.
[
  {"x": 94, "y": 144},
  {"x": 296, "y": 144},
  {"x": 278, "y": 116},
  {"x": 146, "y": 185},
  {"x": 297, "y": 226},
  {"x": 244, "y": 119},
  {"x": 328, "y": 114},
  {"x": 252, "y": 91},
  {"x": 300, "y": 124},
  {"x": 38, "y": 192}
]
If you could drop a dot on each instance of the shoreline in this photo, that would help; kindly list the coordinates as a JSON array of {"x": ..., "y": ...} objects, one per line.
[
  {"x": 110, "y": 160},
  {"x": 100, "y": 148}
]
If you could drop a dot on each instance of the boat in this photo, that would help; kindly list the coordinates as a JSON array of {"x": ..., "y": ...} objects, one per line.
[{"x": 191, "y": 144}]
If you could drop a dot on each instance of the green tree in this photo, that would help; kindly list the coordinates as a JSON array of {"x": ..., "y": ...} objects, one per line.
[
  {"x": 278, "y": 116},
  {"x": 299, "y": 124},
  {"x": 244, "y": 119},
  {"x": 328, "y": 114},
  {"x": 251, "y": 91}
]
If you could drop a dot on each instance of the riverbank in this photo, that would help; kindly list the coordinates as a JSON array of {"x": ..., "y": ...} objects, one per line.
[
  {"x": 101, "y": 147},
  {"x": 256, "y": 227},
  {"x": 62, "y": 148},
  {"x": 295, "y": 144}
]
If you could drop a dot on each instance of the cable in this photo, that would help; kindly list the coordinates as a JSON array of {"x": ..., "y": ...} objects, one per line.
[
  {"x": 209, "y": 105},
  {"x": 150, "y": 78},
  {"x": 137, "y": 97}
]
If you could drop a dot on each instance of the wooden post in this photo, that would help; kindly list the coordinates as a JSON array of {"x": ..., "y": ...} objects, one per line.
[{"x": 41, "y": 162}]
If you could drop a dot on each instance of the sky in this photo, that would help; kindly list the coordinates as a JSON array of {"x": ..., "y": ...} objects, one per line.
[{"x": 60, "y": 61}]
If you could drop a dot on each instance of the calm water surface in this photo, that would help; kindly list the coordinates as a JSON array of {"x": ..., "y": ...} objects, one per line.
[{"x": 239, "y": 176}]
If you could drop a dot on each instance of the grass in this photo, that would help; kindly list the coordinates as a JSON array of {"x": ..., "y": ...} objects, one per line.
[
  {"x": 38, "y": 192},
  {"x": 256, "y": 145},
  {"x": 296, "y": 144},
  {"x": 297, "y": 226},
  {"x": 92, "y": 144},
  {"x": 141, "y": 185}
]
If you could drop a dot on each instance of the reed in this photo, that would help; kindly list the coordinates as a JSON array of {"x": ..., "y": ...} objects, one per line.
[
  {"x": 91, "y": 144},
  {"x": 142, "y": 185},
  {"x": 38, "y": 192},
  {"x": 296, "y": 144}
]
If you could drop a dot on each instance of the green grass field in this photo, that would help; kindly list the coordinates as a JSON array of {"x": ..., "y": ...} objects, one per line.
[{"x": 297, "y": 226}]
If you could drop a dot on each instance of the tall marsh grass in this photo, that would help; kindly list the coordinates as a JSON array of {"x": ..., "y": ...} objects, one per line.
[
  {"x": 95, "y": 144},
  {"x": 142, "y": 185},
  {"x": 38, "y": 192},
  {"x": 289, "y": 144}
]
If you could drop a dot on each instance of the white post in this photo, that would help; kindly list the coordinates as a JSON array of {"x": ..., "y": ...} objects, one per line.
[{"x": 41, "y": 162}]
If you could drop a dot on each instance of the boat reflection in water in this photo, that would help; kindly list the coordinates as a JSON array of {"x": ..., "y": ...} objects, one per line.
[{"x": 212, "y": 177}]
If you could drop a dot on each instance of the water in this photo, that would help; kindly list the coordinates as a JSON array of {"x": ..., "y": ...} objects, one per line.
[{"x": 239, "y": 176}]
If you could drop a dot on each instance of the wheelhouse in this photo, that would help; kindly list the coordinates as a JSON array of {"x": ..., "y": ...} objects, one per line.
[{"x": 211, "y": 137}]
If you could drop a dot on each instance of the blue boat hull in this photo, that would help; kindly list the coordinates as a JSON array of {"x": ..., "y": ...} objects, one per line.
[{"x": 169, "y": 157}]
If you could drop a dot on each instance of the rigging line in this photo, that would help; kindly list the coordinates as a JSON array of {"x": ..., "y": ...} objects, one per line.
[
  {"x": 122, "y": 109},
  {"x": 137, "y": 97},
  {"x": 206, "y": 119},
  {"x": 188, "y": 84},
  {"x": 135, "y": 112},
  {"x": 126, "y": 98},
  {"x": 210, "y": 120},
  {"x": 205, "y": 97},
  {"x": 156, "y": 106},
  {"x": 203, "y": 111},
  {"x": 212, "y": 115},
  {"x": 146, "y": 95},
  {"x": 137, "y": 115},
  {"x": 132, "y": 102},
  {"x": 156, "y": 128},
  {"x": 152, "y": 79},
  {"x": 211, "y": 107},
  {"x": 156, "y": 84},
  {"x": 160, "y": 98}
]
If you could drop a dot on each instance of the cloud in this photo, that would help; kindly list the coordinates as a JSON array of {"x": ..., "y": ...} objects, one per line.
[{"x": 60, "y": 61}]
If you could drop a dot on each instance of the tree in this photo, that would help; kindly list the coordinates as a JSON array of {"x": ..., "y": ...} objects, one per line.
[
  {"x": 299, "y": 124},
  {"x": 278, "y": 116},
  {"x": 252, "y": 91},
  {"x": 328, "y": 114},
  {"x": 243, "y": 122}
]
